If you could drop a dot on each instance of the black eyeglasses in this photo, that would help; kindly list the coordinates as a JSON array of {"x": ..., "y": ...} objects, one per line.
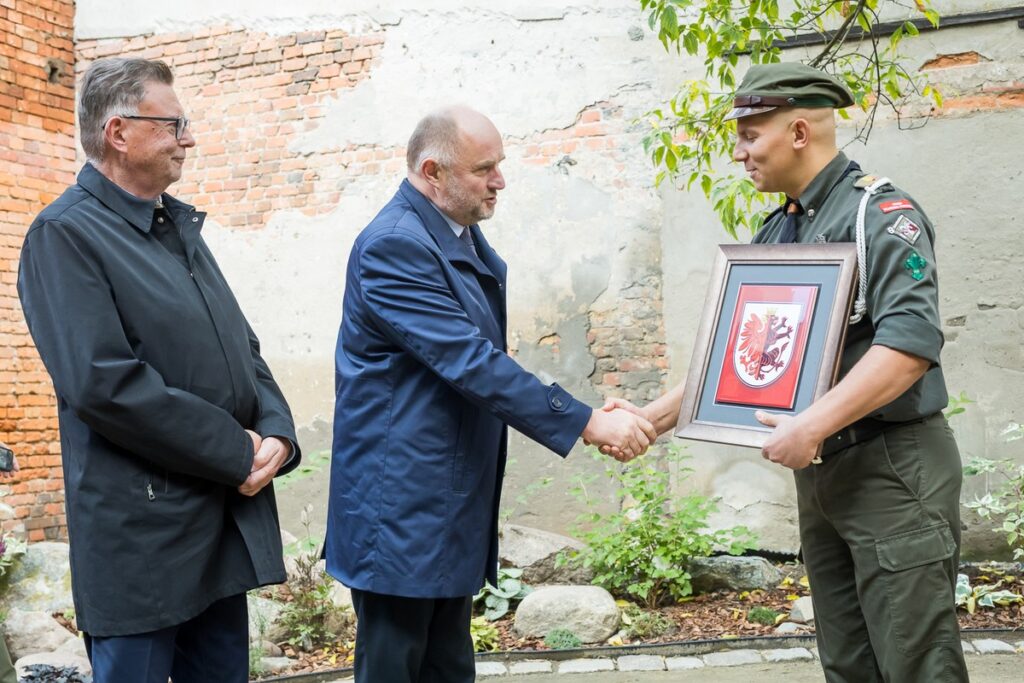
[{"x": 180, "y": 122}]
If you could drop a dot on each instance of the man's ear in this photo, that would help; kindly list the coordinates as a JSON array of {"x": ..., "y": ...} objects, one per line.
[
  {"x": 431, "y": 171},
  {"x": 114, "y": 134},
  {"x": 801, "y": 132}
]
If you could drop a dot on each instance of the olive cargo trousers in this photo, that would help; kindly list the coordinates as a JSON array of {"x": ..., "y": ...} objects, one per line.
[{"x": 880, "y": 531}]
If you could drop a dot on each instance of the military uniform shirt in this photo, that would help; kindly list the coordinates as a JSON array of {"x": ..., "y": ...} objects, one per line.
[{"x": 902, "y": 289}]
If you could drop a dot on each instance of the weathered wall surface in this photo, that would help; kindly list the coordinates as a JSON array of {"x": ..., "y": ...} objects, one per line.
[
  {"x": 301, "y": 114},
  {"x": 301, "y": 121},
  {"x": 37, "y": 161}
]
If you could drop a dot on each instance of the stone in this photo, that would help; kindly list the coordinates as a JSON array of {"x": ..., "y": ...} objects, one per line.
[
  {"x": 589, "y": 612},
  {"x": 802, "y": 611},
  {"x": 287, "y": 538},
  {"x": 789, "y": 628},
  {"x": 585, "y": 666},
  {"x": 276, "y": 665},
  {"x": 968, "y": 647},
  {"x": 263, "y": 617},
  {"x": 990, "y": 646},
  {"x": 535, "y": 551},
  {"x": 490, "y": 669},
  {"x": 683, "y": 663},
  {"x": 732, "y": 658},
  {"x": 40, "y": 581},
  {"x": 530, "y": 666},
  {"x": 733, "y": 573},
  {"x": 29, "y": 633},
  {"x": 641, "y": 663},
  {"x": 6, "y": 512},
  {"x": 788, "y": 654},
  {"x": 270, "y": 649},
  {"x": 75, "y": 646},
  {"x": 55, "y": 659},
  {"x": 341, "y": 596}
]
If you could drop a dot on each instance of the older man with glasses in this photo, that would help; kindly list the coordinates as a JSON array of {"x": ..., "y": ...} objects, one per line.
[{"x": 172, "y": 426}]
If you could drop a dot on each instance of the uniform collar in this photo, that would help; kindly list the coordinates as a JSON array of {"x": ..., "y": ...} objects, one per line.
[
  {"x": 138, "y": 212},
  {"x": 821, "y": 187}
]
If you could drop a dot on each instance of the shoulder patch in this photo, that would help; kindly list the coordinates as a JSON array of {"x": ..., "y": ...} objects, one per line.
[
  {"x": 906, "y": 229},
  {"x": 896, "y": 205}
]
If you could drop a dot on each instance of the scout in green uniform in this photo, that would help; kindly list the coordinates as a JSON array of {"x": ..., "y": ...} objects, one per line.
[{"x": 879, "y": 516}]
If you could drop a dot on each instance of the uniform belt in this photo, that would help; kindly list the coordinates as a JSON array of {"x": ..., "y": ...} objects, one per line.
[{"x": 860, "y": 431}]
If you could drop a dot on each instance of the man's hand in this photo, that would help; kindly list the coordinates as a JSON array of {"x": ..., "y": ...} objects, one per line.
[
  {"x": 622, "y": 433},
  {"x": 257, "y": 440},
  {"x": 791, "y": 444},
  {"x": 271, "y": 454}
]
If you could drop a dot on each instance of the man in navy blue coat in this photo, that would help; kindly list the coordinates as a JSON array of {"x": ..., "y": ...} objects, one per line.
[{"x": 424, "y": 393}]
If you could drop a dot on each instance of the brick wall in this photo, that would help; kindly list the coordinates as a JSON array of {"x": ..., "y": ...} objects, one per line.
[
  {"x": 250, "y": 95},
  {"x": 37, "y": 161}
]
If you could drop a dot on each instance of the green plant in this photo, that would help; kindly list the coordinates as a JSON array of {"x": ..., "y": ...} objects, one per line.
[
  {"x": 562, "y": 639},
  {"x": 688, "y": 136},
  {"x": 256, "y": 645},
  {"x": 763, "y": 615},
  {"x": 986, "y": 595},
  {"x": 485, "y": 635},
  {"x": 11, "y": 548},
  {"x": 311, "y": 619},
  {"x": 498, "y": 600},
  {"x": 642, "y": 550},
  {"x": 643, "y": 624},
  {"x": 312, "y": 463},
  {"x": 1003, "y": 501},
  {"x": 957, "y": 405}
]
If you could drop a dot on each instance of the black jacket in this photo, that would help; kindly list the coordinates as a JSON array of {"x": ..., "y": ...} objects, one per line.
[{"x": 157, "y": 375}]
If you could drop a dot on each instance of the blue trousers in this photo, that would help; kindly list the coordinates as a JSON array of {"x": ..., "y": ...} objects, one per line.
[{"x": 212, "y": 647}]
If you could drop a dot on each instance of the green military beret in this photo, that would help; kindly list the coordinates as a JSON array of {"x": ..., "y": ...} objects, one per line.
[{"x": 770, "y": 86}]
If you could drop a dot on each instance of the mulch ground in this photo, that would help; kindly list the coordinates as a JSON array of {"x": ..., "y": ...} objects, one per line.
[{"x": 717, "y": 615}]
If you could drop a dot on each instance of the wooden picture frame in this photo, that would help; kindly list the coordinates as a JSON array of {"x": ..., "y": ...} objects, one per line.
[{"x": 770, "y": 337}]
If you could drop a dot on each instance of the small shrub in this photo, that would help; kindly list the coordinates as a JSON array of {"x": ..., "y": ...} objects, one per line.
[
  {"x": 562, "y": 639},
  {"x": 485, "y": 635},
  {"x": 763, "y": 615},
  {"x": 498, "y": 601},
  {"x": 643, "y": 624},
  {"x": 986, "y": 595},
  {"x": 641, "y": 552},
  {"x": 1004, "y": 501},
  {"x": 311, "y": 619}
]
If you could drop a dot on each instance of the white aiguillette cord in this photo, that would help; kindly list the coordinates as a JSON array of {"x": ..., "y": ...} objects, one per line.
[{"x": 860, "y": 306}]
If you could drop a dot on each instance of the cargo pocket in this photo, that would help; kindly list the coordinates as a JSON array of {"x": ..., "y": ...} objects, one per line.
[{"x": 918, "y": 586}]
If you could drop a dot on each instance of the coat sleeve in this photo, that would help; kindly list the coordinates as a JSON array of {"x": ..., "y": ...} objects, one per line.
[
  {"x": 403, "y": 285},
  {"x": 74, "y": 321},
  {"x": 903, "y": 299},
  {"x": 275, "y": 417}
]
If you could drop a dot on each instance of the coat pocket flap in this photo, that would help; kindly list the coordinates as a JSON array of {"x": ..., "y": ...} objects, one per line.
[{"x": 915, "y": 548}]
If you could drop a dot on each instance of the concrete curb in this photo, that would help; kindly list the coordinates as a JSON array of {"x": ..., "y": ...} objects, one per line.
[{"x": 676, "y": 656}]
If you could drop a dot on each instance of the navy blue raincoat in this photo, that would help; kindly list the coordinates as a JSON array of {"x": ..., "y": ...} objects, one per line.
[{"x": 424, "y": 391}]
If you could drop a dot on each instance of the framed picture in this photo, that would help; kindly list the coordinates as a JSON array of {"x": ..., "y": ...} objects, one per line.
[{"x": 774, "y": 322}]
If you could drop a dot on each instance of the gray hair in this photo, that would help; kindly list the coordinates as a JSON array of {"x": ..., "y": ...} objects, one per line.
[
  {"x": 436, "y": 137},
  {"x": 110, "y": 87}
]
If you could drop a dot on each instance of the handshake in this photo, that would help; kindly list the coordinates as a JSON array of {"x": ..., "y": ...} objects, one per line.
[{"x": 620, "y": 429}]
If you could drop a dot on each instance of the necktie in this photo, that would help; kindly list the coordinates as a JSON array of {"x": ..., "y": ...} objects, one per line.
[
  {"x": 467, "y": 237},
  {"x": 788, "y": 234}
]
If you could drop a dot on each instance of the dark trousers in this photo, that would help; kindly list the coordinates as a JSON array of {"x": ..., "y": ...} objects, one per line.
[
  {"x": 880, "y": 530},
  {"x": 413, "y": 640},
  {"x": 212, "y": 647}
]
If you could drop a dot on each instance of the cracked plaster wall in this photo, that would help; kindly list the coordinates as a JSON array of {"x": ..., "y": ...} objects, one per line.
[{"x": 606, "y": 274}]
